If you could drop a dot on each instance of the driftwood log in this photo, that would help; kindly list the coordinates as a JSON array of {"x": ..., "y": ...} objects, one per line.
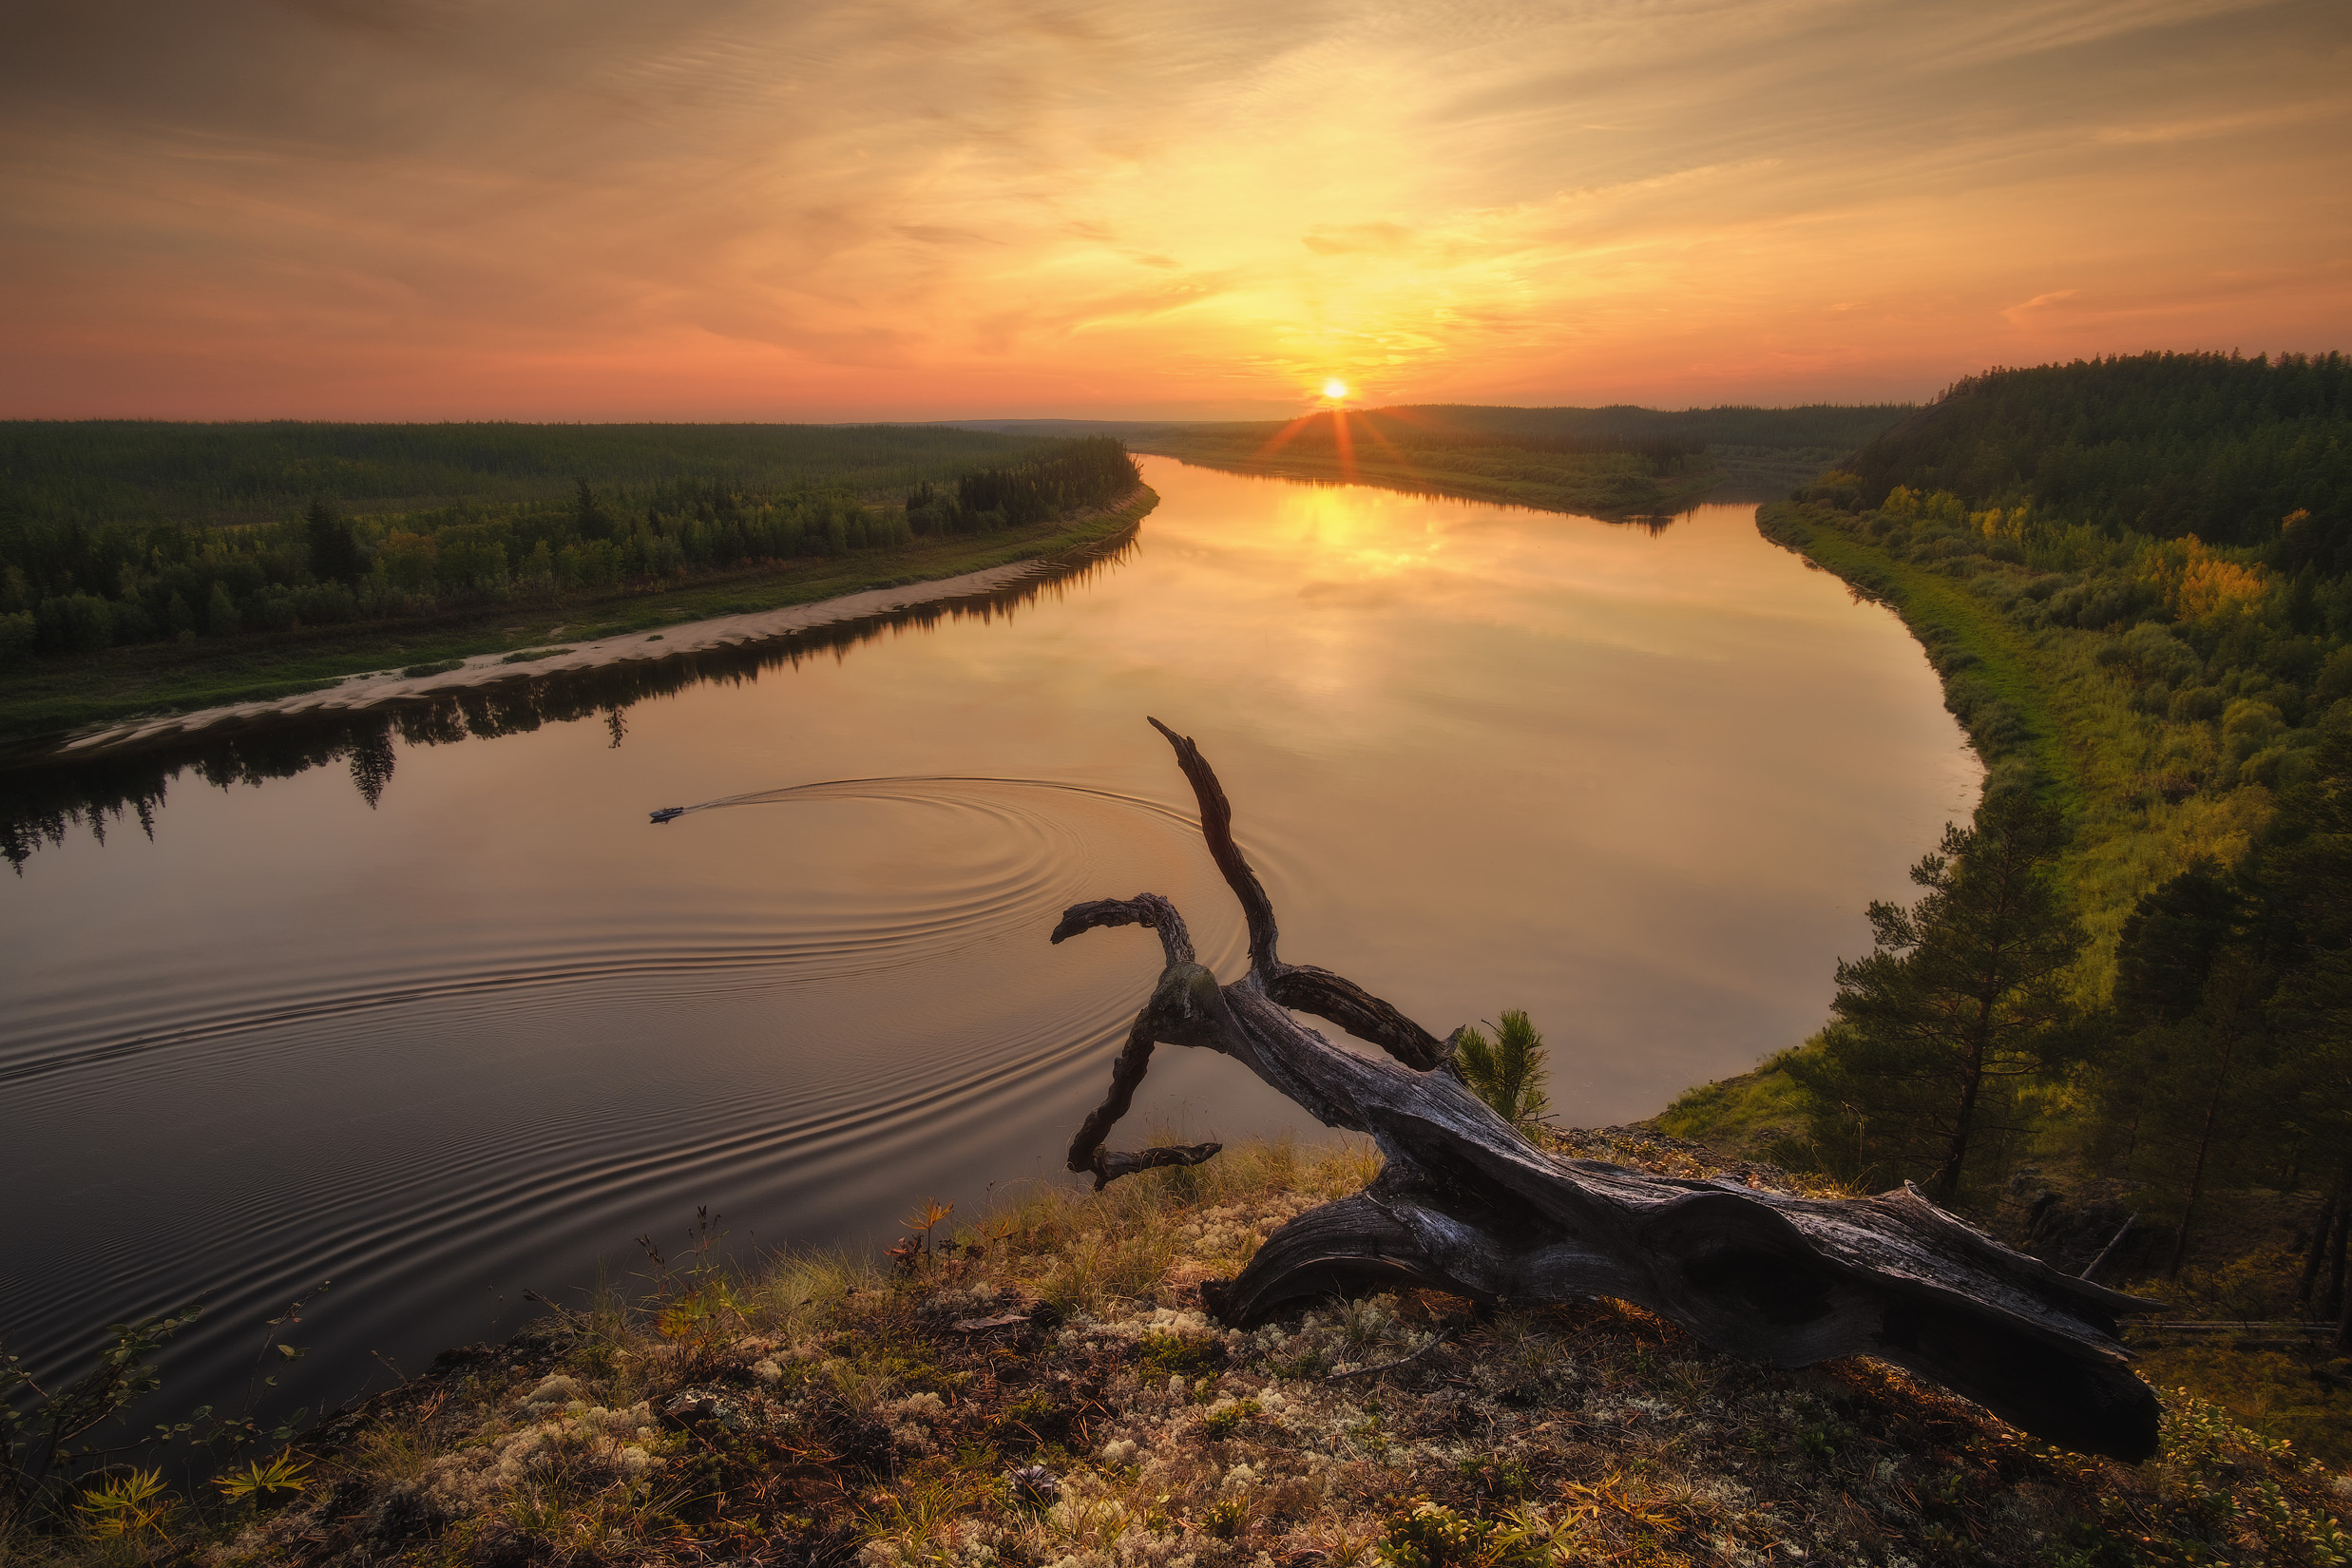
[{"x": 1466, "y": 1205}]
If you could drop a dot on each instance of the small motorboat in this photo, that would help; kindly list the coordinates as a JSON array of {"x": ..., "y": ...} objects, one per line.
[{"x": 668, "y": 812}]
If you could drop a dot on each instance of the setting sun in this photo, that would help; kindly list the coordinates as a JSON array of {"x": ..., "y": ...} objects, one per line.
[{"x": 1335, "y": 389}]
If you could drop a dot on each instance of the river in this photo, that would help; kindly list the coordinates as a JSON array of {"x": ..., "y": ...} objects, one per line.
[{"x": 434, "y": 1012}]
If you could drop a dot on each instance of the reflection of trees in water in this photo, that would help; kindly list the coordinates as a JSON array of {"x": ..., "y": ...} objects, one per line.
[
  {"x": 1651, "y": 523},
  {"x": 41, "y": 802}
]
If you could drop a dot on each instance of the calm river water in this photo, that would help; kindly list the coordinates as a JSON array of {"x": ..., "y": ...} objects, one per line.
[{"x": 474, "y": 1036}]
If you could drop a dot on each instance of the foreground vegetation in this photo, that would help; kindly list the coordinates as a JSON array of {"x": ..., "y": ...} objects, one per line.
[
  {"x": 122, "y": 592},
  {"x": 1040, "y": 1387},
  {"x": 2124, "y": 995},
  {"x": 1612, "y": 462}
]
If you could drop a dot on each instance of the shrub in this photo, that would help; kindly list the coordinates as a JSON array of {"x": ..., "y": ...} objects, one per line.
[
  {"x": 220, "y": 615},
  {"x": 17, "y": 635}
]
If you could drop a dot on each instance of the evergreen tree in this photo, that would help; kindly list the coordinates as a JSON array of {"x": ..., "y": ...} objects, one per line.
[
  {"x": 1964, "y": 996},
  {"x": 2228, "y": 1063},
  {"x": 588, "y": 517},
  {"x": 1507, "y": 1072},
  {"x": 336, "y": 552},
  {"x": 221, "y": 617}
]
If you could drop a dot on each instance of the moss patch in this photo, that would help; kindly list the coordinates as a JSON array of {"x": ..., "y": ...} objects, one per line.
[{"x": 981, "y": 1406}]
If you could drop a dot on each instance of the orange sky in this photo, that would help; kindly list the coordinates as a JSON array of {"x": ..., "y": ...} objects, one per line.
[{"x": 945, "y": 208}]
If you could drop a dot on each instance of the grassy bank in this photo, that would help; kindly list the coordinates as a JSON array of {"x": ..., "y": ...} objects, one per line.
[
  {"x": 2051, "y": 707},
  {"x": 2184, "y": 699},
  {"x": 60, "y": 693},
  {"x": 1993, "y": 678},
  {"x": 1039, "y": 1386}
]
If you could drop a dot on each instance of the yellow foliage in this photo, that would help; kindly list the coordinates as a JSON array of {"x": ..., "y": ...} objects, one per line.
[
  {"x": 1904, "y": 505},
  {"x": 2195, "y": 582},
  {"x": 1997, "y": 523}
]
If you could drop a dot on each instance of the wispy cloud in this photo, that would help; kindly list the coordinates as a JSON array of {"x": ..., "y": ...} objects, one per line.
[{"x": 912, "y": 206}]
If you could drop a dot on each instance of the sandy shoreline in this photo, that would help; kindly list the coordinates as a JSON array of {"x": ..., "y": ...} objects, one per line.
[{"x": 359, "y": 691}]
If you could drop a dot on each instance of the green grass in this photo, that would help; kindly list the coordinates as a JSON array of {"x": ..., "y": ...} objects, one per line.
[
  {"x": 2039, "y": 699},
  {"x": 59, "y": 696},
  {"x": 1965, "y": 638},
  {"x": 1760, "y": 1114}
]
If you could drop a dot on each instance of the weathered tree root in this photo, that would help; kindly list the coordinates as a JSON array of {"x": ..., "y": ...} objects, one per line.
[{"x": 1466, "y": 1205}]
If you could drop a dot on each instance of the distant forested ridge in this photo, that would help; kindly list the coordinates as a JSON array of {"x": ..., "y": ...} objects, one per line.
[
  {"x": 1837, "y": 426},
  {"x": 2135, "y": 576},
  {"x": 123, "y": 532},
  {"x": 95, "y": 471},
  {"x": 2158, "y": 446},
  {"x": 1614, "y": 461}
]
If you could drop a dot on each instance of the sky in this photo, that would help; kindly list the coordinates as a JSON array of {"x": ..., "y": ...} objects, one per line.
[{"x": 915, "y": 209}]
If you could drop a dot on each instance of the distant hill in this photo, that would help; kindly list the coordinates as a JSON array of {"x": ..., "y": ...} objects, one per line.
[
  {"x": 1619, "y": 459},
  {"x": 1841, "y": 426}
]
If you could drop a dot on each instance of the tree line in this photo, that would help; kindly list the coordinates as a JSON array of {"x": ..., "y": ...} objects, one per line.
[
  {"x": 102, "y": 471},
  {"x": 71, "y": 585},
  {"x": 1836, "y": 427},
  {"x": 2141, "y": 963}
]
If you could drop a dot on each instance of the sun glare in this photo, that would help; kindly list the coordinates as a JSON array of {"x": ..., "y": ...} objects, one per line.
[{"x": 1335, "y": 389}]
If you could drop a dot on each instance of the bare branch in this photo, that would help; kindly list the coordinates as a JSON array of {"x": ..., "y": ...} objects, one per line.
[
  {"x": 1126, "y": 1076},
  {"x": 1216, "y": 826},
  {"x": 1111, "y": 1164},
  {"x": 1143, "y": 909},
  {"x": 1465, "y": 1204},
  {"x": 1358, "y": 1011}
]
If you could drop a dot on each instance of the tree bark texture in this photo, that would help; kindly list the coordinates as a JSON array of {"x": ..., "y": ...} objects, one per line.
[{"x": 1466, "y": 1205}]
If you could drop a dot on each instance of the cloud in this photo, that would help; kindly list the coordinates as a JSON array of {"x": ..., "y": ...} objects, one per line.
[
  {"x": 805, "y": 208},
  {"x": 2017, "y": 314},
  {"x": 2243, "y": 123}
]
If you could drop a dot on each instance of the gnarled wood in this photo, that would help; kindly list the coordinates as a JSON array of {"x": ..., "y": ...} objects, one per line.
[{"x": 1466, "y": 1205}]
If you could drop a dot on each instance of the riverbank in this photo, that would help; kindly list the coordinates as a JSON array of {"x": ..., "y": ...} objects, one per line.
[
  {"x": 1041, "y": 1387},
  {"x": 2150, "y": 790},
  {"x": 132, "y": 695},
  {"x": 2044, "y": 711},
  {"x": 2165, "y": 758}
]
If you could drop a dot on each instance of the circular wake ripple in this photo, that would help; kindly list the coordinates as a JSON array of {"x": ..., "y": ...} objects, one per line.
[
  {"x": 1016, "y": 852},
  {"x": 930, "y": 1019}
]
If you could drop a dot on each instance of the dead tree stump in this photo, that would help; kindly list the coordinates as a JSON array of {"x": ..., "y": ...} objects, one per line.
[{"x": 1469, "y": 1206}]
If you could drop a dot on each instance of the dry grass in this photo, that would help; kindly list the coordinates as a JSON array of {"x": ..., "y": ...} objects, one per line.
[{"x": 824, "y": 1410}]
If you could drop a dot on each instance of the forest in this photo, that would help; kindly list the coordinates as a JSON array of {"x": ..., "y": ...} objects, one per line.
[
  {"x": 1619, "y": 461},
  {"x": 2122, "y": 998},
  {"x": 127, "y": 533}
]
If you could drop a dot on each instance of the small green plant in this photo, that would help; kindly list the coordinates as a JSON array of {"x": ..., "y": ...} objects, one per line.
[
  {"x": 1506, "y": 1072},
  {"x": 131, "y": 1504},
  {"x": 1429, "y": 1535},
  {"x": 260, "y": 1483},
  {"x": 1231, "y": 1418},
  {"x": 914, "y": 1248},
  {"x": 37, "y": 1441},
  {"x": 1226, "y": 1520},
  {"x": 1500, "y": 1477},
  {"x": 1172, "y": 1355}
]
